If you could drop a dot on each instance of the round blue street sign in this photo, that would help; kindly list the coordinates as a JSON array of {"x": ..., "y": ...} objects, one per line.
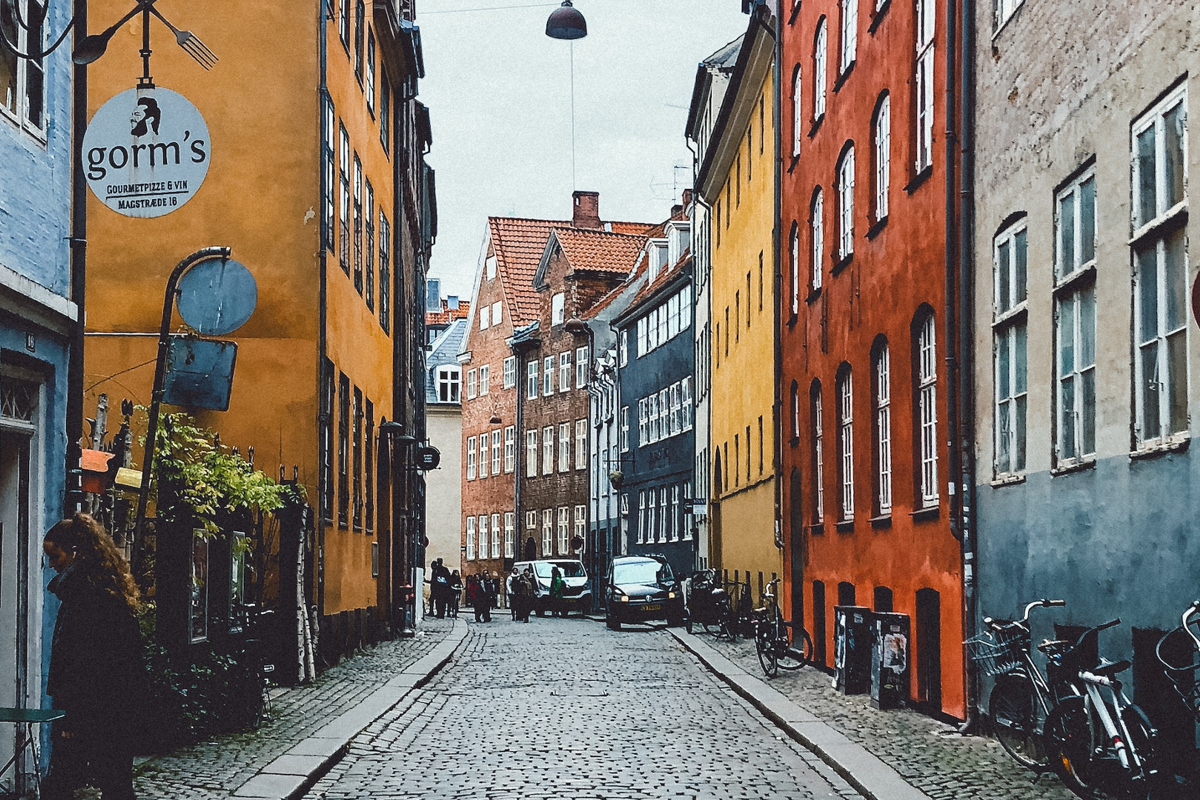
[{"x": 217, "y": 296}]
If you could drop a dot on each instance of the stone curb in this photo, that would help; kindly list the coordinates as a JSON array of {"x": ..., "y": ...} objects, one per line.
[
  {"x": 295, "y": 772},
  {"x": 862, "y": 770}
]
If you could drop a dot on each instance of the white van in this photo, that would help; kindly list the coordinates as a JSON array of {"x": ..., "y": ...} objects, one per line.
[{"x": 576, "y": 594}]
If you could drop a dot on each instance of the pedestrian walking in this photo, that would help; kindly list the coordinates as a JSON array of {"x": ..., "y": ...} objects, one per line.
[
  {"x": 511, "y": 593},
  {"x": 524, "y": 594},
  {"x": 558, "y": 588},
  {"x": 456, "y": 589},
  {"x": 96, "y": 674},
  {"x": 441, "y": 588},
  {"x": 477, "y": 596}
]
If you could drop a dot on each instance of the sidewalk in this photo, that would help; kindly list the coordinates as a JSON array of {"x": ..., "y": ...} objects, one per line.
[
  {"x": 886, "y": 755},
  {"x": 310, "y": 726}
]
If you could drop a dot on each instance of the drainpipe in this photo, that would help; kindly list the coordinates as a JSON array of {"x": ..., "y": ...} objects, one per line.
[
  {"x": 966, "y": 293},
  {"x": 73, "y": 498},
  {"x": 776, "y": 317},
  {"x": 323, "y": 316}
]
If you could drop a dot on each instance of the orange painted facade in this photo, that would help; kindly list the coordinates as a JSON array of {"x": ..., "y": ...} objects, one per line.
[
  {"x": 263, "y": 197},
  {"x": 889, "y": 546}
]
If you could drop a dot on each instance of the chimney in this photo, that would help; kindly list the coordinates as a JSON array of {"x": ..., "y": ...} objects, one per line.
[
  {"x": 687, "y": 198},
  {"x": 586, "y": 210},
  {"x": 676, "y": 211}
]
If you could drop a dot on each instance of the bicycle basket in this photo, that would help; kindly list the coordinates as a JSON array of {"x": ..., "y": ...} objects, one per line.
[
  {"x": 1181, "y": 663},
  {"x": 998, "y": 652}
]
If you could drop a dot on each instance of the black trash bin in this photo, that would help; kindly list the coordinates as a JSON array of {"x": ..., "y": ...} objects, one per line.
[
  {"x": 852, "y": 649},
  {"x": 889, "y": 662}
]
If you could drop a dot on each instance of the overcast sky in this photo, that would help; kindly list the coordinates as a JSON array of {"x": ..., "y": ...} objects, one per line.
[{"x": 499, "y": 95}]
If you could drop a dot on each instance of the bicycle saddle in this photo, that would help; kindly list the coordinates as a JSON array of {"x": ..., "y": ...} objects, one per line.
[{"x": 1107, "y": 669}]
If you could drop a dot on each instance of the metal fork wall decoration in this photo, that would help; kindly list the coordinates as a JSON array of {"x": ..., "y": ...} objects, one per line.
[{"x": 92, "y": 47}]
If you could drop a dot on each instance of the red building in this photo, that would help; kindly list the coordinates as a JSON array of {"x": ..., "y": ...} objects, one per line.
[{"x": 866, "y": 471}]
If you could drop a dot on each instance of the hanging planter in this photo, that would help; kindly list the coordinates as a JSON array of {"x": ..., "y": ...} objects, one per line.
[{"x": 616, "y": 478}]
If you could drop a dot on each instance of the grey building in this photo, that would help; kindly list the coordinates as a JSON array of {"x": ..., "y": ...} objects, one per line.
[{"x": 1084, "y": 346}]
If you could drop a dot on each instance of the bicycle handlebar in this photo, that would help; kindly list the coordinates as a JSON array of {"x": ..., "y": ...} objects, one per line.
[{"x": 1043, "y": 603}]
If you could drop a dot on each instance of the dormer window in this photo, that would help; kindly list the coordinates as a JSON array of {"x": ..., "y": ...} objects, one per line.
[
  {"x": 491, "y": 266},
  {"x": 556, "y": 309}
]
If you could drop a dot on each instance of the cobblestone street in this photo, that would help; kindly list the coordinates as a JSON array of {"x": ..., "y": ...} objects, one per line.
[
  {"x": 929, "y": 754},
  {"x": 566, "y": 708}
]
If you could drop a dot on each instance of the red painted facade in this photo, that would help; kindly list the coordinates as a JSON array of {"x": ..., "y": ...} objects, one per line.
[{"x": 903, "y": 556}]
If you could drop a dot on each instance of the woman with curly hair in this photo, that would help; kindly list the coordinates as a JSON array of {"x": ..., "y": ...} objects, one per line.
[{"x": 96, "y": 674}]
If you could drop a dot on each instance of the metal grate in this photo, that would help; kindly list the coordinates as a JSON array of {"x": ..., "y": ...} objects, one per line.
[{"x": 18, "y": 399}]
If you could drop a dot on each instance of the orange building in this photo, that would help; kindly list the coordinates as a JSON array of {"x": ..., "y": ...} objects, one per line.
[{"x": 317, "y": 182}]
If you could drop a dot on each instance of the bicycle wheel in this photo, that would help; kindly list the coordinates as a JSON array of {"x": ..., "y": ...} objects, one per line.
[
  {"x": 1068, "y": 744},
  {"x": 768, "y": 656},
  {"x": 1013, "y": 708},
  {"x": 1144, "y": 777},
  {"x": 799, "y": 654}
]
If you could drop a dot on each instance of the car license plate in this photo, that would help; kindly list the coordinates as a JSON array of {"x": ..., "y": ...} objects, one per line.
[{"x": 652, "y": 607}]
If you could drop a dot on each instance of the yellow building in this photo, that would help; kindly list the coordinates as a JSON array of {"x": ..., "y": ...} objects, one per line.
[
  {"x": 736, "y": 180},
  {"x": 317, "y": 182}
]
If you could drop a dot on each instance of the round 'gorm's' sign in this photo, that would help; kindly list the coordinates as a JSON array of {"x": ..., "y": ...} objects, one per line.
[{"x": 146, "y": 152}]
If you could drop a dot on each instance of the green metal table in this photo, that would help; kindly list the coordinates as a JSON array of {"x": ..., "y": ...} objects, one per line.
[{"x": 25, "y": 719}]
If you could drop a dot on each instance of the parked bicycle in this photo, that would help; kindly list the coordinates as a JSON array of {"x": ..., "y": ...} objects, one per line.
[
  {"x": 1099, "y": 743},
  {"x": 1022, "y": 697},
  {"x": 708, "y": 605},
  {"x": 779, "y": 643},
  {"x": 1184, "y": 673},
  {"x": 253, "y": 670}
]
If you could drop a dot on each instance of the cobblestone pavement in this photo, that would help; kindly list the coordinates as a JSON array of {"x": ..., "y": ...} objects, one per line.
[
  {"x": 929, "y": 754},
  {"x": 566, "y": 708},
  {"x": 214, "y": 768}
]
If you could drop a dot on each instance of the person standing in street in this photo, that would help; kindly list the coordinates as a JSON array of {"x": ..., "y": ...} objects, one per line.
[
  {"x": 524, "y": 594},
  {"x": 510, "y": 592},
  {"x": 456, "y": 589},
  {"x": 558, "y": 588},
  {"x": 96, "y": 674}
]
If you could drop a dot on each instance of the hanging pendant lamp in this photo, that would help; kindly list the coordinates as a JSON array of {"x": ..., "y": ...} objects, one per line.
[{"x": 566, "y": 23}]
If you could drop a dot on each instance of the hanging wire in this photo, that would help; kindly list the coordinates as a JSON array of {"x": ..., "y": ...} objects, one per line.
[{"x": 14, "y": 8}]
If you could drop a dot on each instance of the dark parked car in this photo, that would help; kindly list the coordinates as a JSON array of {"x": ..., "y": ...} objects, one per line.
[{"x": 642, "y": 588}]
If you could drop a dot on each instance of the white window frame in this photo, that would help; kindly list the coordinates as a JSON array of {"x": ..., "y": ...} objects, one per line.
[
  {"x": 510, "y": 448},
  {"x": 883, "y": 431},
  {"x": 510, "y": 372},
  {"x": 1075, "y": 321},
  {"x": 643, "y": 421},
  {"x": 581, "y": 367},
  {"x": 794, "y": 255},
  {"x": 547, "y": 376},
  {"x": 472, "y": 384},
  {"x": 564, "y": 371},
  {"x": 482, "y": 541},
  {"x": 624, "y": 347},
  {"x": 663, "y": 518},
  {"x": 564, "y": 530},
  {"x": 624, "y": 429},
  {"x": 923, "y": 68},
  {"x": 883, "y": 156},
  {"x": 817, "y": 225},
  {"x": 685, "y": 392},
  {"x": 448, "y": 384},
  {"x": 495, "y": 535},
  {"x": 20, "y": 113},
  {"x": 581, "y": 444},
  {"x": 675, "y": 519},
  {"x": 845, "y": 196},
  {"x": 651, "y": 515},
  {"x": 1004, "y": 11},
  {"x": 564, "y": 446},
  {"x": 797, "y": 112},
  {"x": 485, "y": 379},
  {"x": 557, "y": 308},
  {"x": 1009, "y": 335},
  {"x": 547, "y": 531},
  {"x": 642, "y": 332},
  {"x": 818, "y": 445},
  {"x": 531, "y": 379},
  {"x": 531, "y": 453},
  {"x": 470, "y": 538},
  {"x": 685, "y": 308},
  {"x": 497, "y": 313},
  {"x": 849, "y": 49},
  {"x": 548, "y": 450},
  {"x": 641, "y": 531},
  {"x": 927, "y": 409},
  {"x": 485, "y": 317},
  {"x": 510, "y": 534},
  {"x": 496, "y": 452},
  {"x": 580, "y": 524},
  {"x": 845, "y": 391},
  {"x": 820, "y": 68},
  {"x": 470, "y": 458},
  {"x": 483, "y": 455}
]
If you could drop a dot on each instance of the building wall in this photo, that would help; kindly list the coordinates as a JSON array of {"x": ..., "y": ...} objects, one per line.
[
  {"x": 894, "y": 276},
  {"x": 743, "y": 526},
  {"x": 444, "y": 487},
  {"x": 1112, "y": 534}
]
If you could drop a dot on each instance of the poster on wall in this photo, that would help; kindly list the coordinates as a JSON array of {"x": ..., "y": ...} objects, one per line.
[{"x": 146, "y": 152}]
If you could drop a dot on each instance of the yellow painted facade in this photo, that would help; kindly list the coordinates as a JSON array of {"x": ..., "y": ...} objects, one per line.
[
  {"x": 743, "y": 347},
  {"x": 262, "y": 198}
]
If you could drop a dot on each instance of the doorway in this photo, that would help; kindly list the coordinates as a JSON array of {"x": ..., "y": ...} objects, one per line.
[
  {"x": 16, "y": 509},
  {"x": 929, "y": 648}
]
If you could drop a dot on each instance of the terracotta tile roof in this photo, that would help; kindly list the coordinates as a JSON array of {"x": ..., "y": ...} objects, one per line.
[
  {"x": 589, "y": 250},
  {"x": 519, "y": 244},
  {"x": 635, "y": 228},
  {"x": 448, "y": 315}
]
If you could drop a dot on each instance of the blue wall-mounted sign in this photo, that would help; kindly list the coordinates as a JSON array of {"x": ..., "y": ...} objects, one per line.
[
  {"x": 217, "y": 296},
  {"x": 199, "y": 373}
]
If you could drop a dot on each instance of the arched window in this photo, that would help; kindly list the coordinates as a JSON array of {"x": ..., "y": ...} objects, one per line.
[
  {"x": 925, "y": 372},
  {"x": 819, "y": 74},
  {"x": 816, "y": 426},
  {"x": 797, "y": 113},
  {"x": 795, "y": 412},
  {"x": 817, "y": 223},
  {"x": 882, "y": 135},
  {"x": 849, "y": 33},
  {"x": 882, "y": 412},
  {"x": 794, "y": 255},
  {"x": 845, "y": 416},
  {"x": 926, "y": 16},
  {"x": 845, "y": 201}
]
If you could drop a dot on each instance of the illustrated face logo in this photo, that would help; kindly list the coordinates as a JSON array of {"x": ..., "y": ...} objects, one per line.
[{"x": 145, "y": 117}]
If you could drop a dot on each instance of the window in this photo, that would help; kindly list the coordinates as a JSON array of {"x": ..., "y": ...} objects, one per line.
[
  {"x": 663, "y": 520},
  {"x": 328, "y": 389},
  {"x": 883, "y": 429},
  {"x": 849, "y": 33},
  {"x": 685, "y": 391},
  {"x": 483, "y": 536},
  {"x": 795, "y": 412},
  {"x": 581, "y": 444},
  {"x": 651, "y": 516},
  {"x": 470, "y": 458},
  {"x": 495, "y": 535},
  {"x": 470, "y": 538},
  {"x": 531, "y": 381},
  {"x": 641, "y": 337},
  {"x": 344, "y": 22},
  {"x": 531, "y": 455},
  {"x": 1160, "y": 271},
  {"x": 927, "y": 408},
  {"x": 548, "y": 450},
  {"x": 564, "y": 446},
  {"x": 497, "y": 312},
  {"x": 643, "y": 421},
  {"x": 794, "y": 268},
  {"x": 489, "y": 265},
  {"x": 448, "y": 384},
  {"x": 385, "y": 113},
  {"x": 845, "y": 198},
  {"x": 483, "y": 455},
  {"x": 641, "y": 532},
  {"x": 1009, "y": 335},
  {"x": 624, "y": 353},
  {"x": 673, "y": 399},
  {"x": 485, "y": 317},
  {"x": 926, "y": 14},
  {"x": 819, "y": 75},
  {"x": 564, "y": 371},
  {"x": 496, "y": 452},
  {"x": 509, "y": 534},
  {"x": 1005, "y": 9},
  {"x": 370, "y": 247},
  {"x": 624, "y": 429},
  {"x": 547, "y": 531},
  {"x": 817, "y": 454},
  {"x": 662, "y": 325},
  {"x": 472, "y": 384},
  {"x": 343, "y": 450},
  {"x": 675, "y": 518},
  {"x": 510, "y": 448},
  {"x": 22, "y": 80},
  {"x": 510, "y": 372},
  {"x": 580, "y": 522},
  {"x": 797, "y": 113},
  {"x": 1075, "y": 319},
  {"x": 385, "y": 272},
  {"x": 652, "y": 413},
  {"x": 360, "y": 24},
  {"x": 845, "y": 396},
  {"x": 817, "y": 222},
  {"x": 531, "y": 520},
  {"x": 358, "y": 225},
  {"x": 581, "y": 367},
  {"x": 548, "y": 375},
  {"x": 370, "y": 86},
  {"x": 556, "y": 309},
  {"x": 327, "y": 155},
  {"x": 685, "y": 308},
  {"x": 485, "y": 379},
  {"x": 344, "y": 201},
  {"x": 564, "y": 530},
  {"x": 883, "y": 157}
]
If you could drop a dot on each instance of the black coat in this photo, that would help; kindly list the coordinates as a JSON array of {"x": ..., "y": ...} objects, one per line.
[{"x": 96, "y": 670}]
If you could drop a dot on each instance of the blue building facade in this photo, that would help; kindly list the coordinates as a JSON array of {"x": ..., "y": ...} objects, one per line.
[
  {"x": 36, "y": 323},
  {"x": 656, "y": 438}
]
